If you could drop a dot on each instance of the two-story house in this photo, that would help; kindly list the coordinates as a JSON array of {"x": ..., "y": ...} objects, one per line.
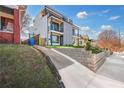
[{"x": 55, "y": 28}]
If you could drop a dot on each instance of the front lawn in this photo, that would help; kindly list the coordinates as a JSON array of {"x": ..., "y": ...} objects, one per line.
[{"x": 22, "y": 66}]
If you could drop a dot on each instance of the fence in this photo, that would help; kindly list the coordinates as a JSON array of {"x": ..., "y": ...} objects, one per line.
[{"x": 36, "y": 38}]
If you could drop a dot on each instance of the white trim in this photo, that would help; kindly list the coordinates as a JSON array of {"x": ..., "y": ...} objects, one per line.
[
  {"x": 5, "y": 31},
  {"x": 57, "y": 32},
  {"x": 76, "y": 36},
  {"x": 56, "y": 18}
]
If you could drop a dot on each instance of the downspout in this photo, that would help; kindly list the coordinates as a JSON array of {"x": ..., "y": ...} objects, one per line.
[
  {"x": 51, "y": 38},
  {"x": 78, "y": 37}
]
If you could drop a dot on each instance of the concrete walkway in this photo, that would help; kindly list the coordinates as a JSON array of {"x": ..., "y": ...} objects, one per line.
[{"x": 76, "y": 75}]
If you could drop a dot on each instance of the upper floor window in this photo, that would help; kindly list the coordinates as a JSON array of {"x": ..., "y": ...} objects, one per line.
[
  {"x": 75, "y": 32},
  {"x": 54, "y": 26}
]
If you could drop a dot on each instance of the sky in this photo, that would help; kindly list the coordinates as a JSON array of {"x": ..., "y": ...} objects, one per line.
[{"x": 91, "y": 18}]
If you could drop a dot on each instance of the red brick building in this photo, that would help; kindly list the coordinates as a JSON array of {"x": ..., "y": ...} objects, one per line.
[{"x": 10, "y": 18}]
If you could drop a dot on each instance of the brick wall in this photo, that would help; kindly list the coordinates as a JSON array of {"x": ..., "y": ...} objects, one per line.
[
  {"x": 6, "y": 37},
  {"x": 16, "y": 27}
]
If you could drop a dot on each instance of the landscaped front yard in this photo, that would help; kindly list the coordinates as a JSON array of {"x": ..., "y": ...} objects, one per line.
[{"x": 22, "y": 66}]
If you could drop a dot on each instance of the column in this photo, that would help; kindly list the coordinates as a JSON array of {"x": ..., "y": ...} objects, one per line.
[{"x": 16, "y": 27}]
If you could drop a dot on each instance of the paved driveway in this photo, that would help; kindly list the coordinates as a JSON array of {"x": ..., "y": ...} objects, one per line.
[
  {"x": 76, "y": 75},
  {"x": 113, "y": 67}
]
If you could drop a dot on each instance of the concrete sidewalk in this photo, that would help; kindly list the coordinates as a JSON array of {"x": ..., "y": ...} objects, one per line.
[{"x": 76, "y": 75}]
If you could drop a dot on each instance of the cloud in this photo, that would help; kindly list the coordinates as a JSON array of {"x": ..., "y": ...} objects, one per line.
[
  {"x": 82, "y": 15},
  {"x": 106, "y": 27},
  {"x": 114, "y": 17},
  {"x": 100, "y": 13},
  {"x": 106, "y": 11},
  {"x": 85, "y": 29}
]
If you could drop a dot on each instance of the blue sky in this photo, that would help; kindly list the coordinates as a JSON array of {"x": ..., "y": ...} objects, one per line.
[{"x": 92, "y": 18}]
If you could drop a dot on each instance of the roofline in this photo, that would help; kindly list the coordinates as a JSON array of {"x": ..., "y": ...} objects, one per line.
[
  {"x": 53, "y": 10},
  {"x": 58, "y": 14},
  {"x": 11, "y": 6}
]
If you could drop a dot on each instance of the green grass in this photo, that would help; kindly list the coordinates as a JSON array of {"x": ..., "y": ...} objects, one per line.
[
  {"x": 66, "y": 46},
  {"x": 22, "y": 66}
]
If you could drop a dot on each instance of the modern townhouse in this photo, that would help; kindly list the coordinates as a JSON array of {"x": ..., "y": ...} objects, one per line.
[
  {"x": 55, "y": 29},
  {"x": 10, "y": 20}
]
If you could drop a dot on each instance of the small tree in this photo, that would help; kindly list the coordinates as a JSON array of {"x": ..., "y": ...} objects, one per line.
[{"x": 87, "y": 43}]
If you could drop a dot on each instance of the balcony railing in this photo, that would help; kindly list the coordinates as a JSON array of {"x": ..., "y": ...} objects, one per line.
[{"x": 56, "y": 29}]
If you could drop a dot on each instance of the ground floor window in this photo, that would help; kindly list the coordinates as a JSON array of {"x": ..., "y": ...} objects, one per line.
[
  {"x": 6, "y": 24},
  {"x": 55, "y": 39}
]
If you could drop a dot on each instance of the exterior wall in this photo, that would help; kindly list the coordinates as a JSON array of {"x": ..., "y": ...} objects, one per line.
[
  {"x": 6, "y": 37},
  {"x": 16, "y": 27},
  {"x": 67, "y": 33},
  {"x": 40, "y": 25}
]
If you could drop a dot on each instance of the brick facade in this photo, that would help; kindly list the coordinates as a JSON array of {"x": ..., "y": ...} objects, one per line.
[
  {"x": 6, "y": 37},
  {"x": 16, "y": 27},
  {"x": 12, "y": 37}
]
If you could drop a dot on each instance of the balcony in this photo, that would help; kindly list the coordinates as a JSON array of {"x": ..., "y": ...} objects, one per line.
[
  {"x": 55, "y": 27},
  {"x": 58, "y": 29}
]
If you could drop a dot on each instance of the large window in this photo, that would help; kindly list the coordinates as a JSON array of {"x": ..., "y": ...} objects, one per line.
[
  {"x": 55, "y": 39},
  {"x": 54, "y": 26},
  {"x": 6, "y": 24}
]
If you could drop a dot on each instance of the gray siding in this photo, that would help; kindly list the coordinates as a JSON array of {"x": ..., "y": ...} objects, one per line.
[
  {"x": 41, "y": 26},
  {"x": 67, "y": 33}
]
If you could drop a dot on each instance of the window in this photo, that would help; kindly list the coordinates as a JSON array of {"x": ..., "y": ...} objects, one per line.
[
  {"x": 75, "y": 32},
  {"x": 6, "y": 24},
  {"x": 54, "y": 26},
  {"x": 55, "y": 39}
]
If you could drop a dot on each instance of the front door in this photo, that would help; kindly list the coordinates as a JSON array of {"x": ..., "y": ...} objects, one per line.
[{"x": 61, "y": 40}]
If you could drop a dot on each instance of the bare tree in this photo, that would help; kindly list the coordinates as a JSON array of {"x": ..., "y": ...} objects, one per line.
[
  {"x": 25, "y": 26},
  {"x": 26, "y": 21},
  {"x": 108, "y": 39}
]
